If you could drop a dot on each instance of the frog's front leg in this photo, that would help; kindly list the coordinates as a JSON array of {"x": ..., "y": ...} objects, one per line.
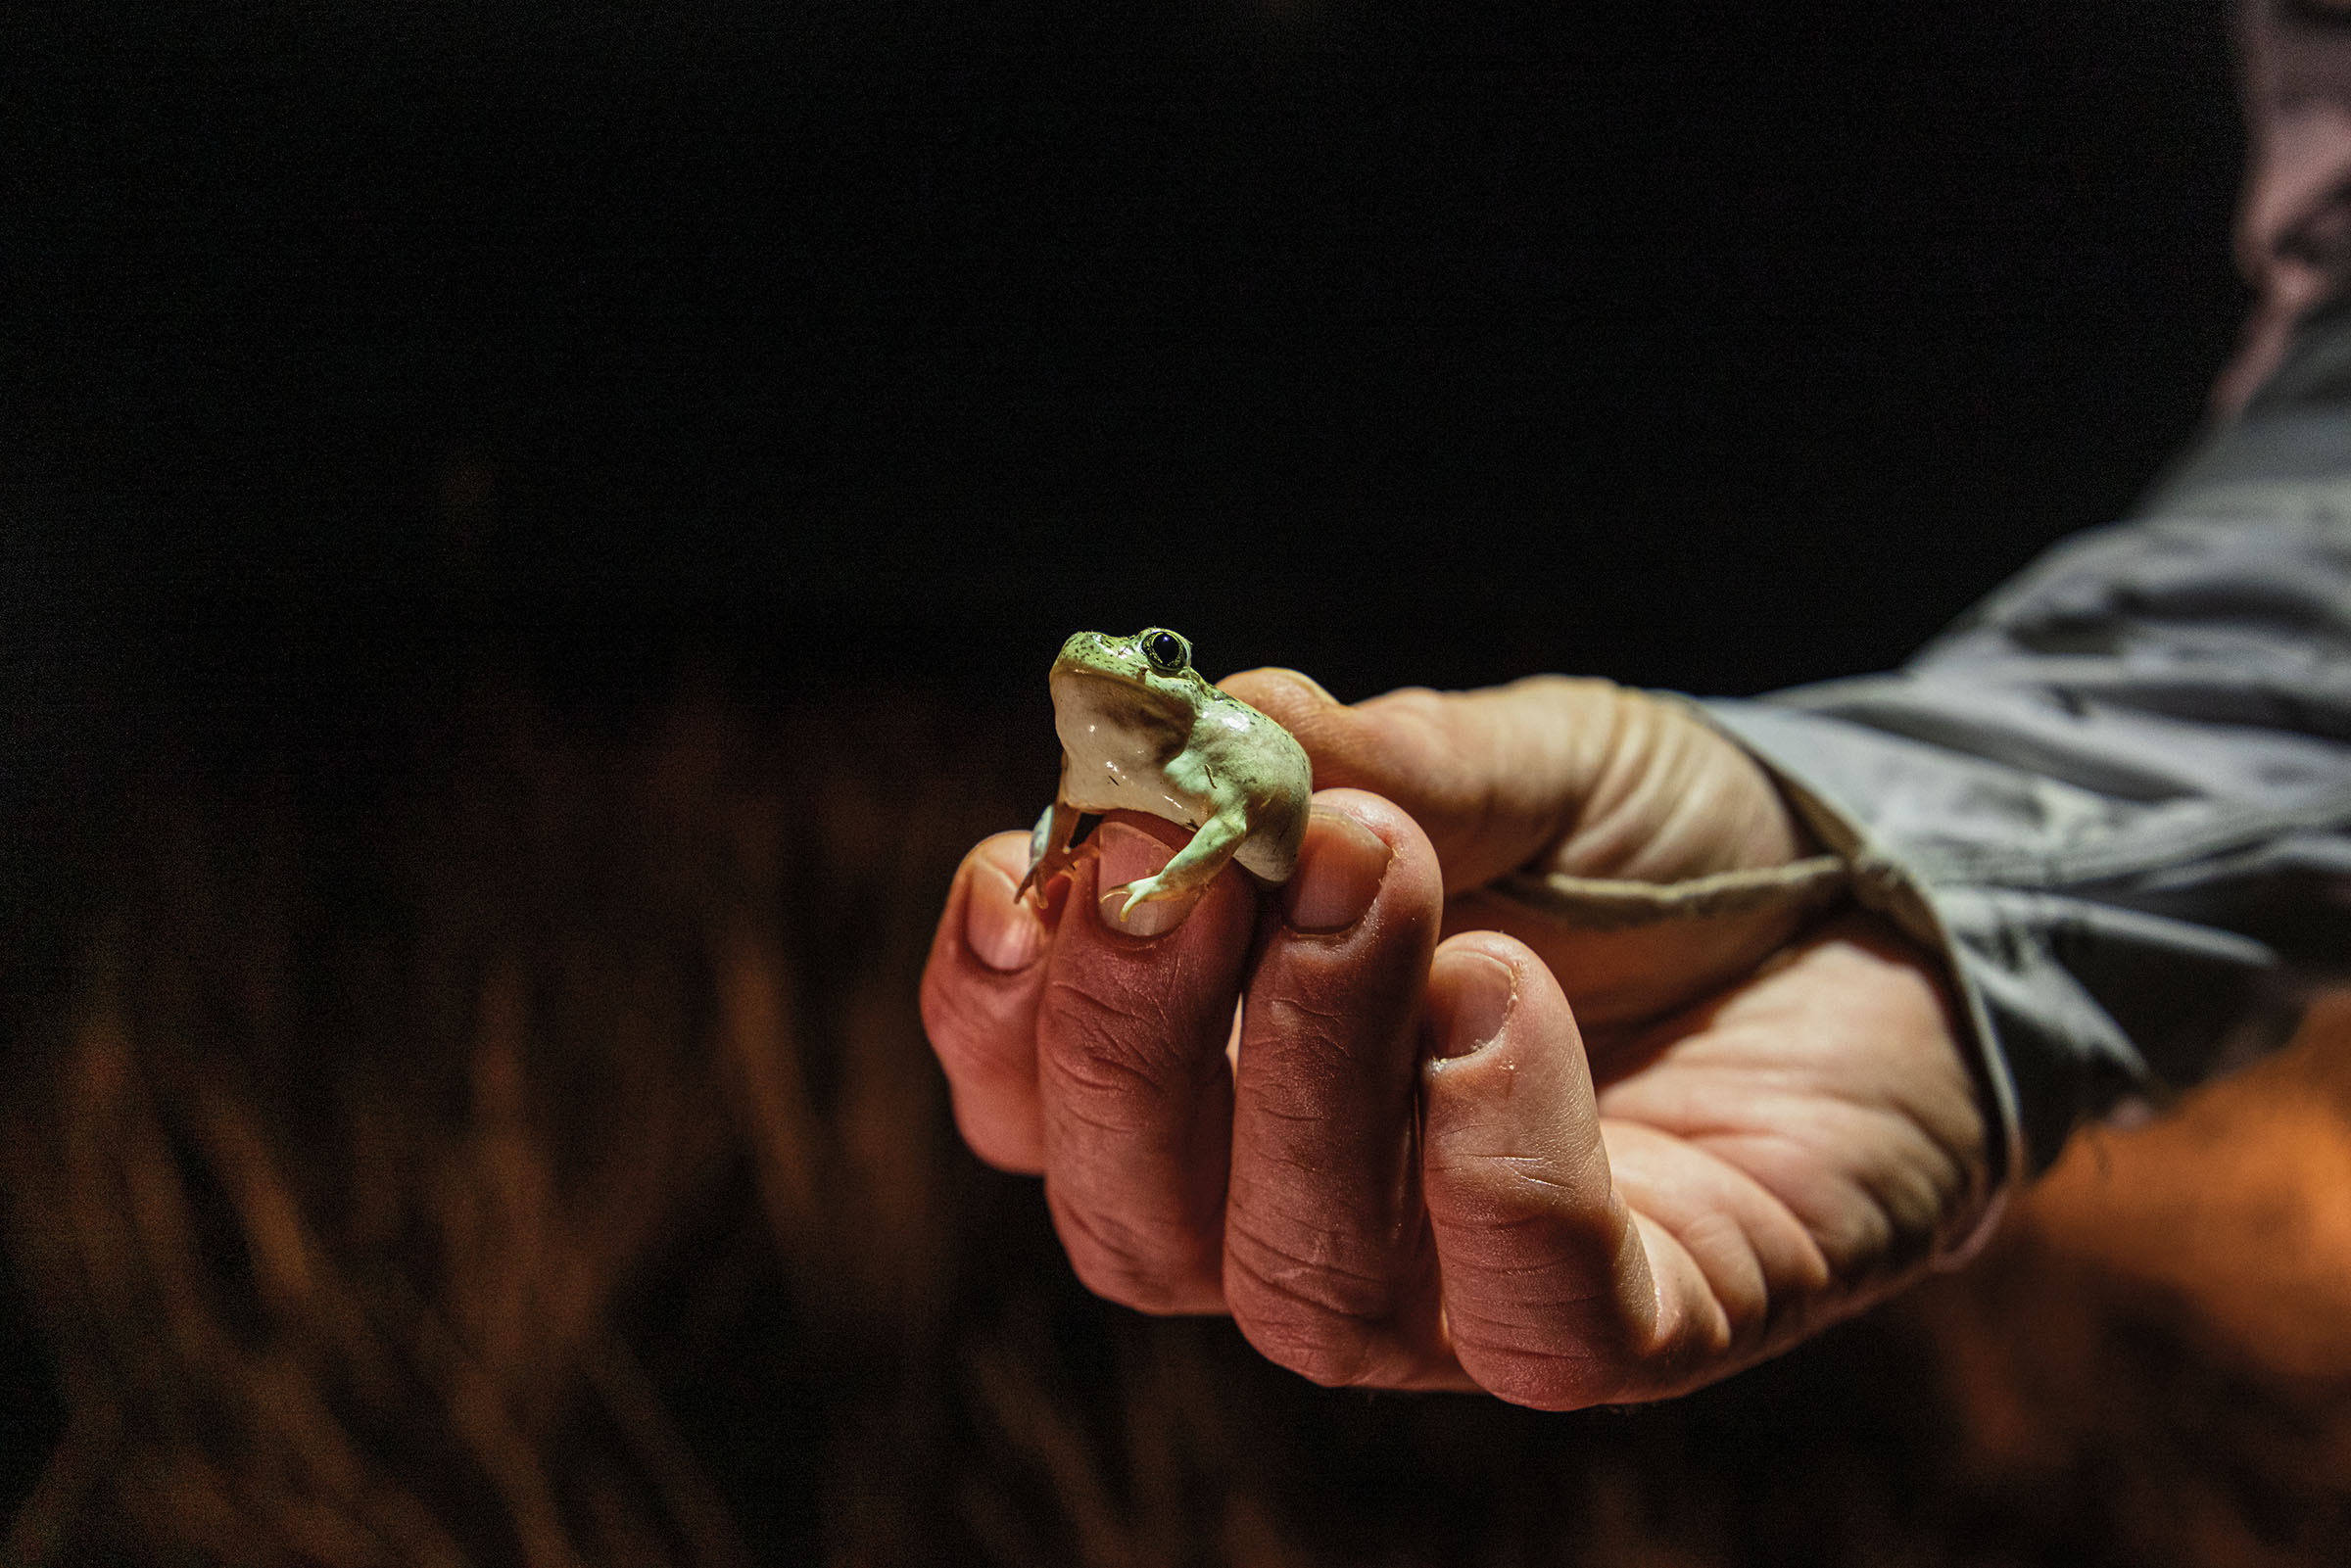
[{"x": 1193, "y": 866}]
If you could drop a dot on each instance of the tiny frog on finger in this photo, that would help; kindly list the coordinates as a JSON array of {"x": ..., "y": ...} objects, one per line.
[{"x": 1141, "y": 730}]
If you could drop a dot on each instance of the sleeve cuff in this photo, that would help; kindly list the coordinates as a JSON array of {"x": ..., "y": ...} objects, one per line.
[{"x": 1883, "y": 882}]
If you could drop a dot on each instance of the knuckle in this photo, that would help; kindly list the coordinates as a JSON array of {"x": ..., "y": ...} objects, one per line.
[
  {"x": 969, "y": 1030},
  {"x": 1150, "y": 1267},
  {"x": 1318, "y": 1316},
  {"x": 1100, "y": 1069},
  {"x": 1493, "y": 1216},
  {"x": 1321, "y": 1345},
  {"x": 1531, "y": 1300},
  {"x": 1110, "y": 1054},
  {"x": 1537, "y": 1377},
  {"x": 1541, "y": 1337}
]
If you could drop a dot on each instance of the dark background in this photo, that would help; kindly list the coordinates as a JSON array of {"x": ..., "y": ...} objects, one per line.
[{"x": 352, "y": 352}]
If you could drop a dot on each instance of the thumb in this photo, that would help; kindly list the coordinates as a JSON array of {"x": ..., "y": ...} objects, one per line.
[{"x": 1582, "y": 776}]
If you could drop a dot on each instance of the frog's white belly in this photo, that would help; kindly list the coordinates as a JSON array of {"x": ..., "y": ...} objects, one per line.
[{"x": 1107, "y": 767}]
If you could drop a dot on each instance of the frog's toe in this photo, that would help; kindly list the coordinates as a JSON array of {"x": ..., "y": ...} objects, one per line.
[
  {"x": 1142, "y": 890},
  {"x": 1160, "y": 888}
]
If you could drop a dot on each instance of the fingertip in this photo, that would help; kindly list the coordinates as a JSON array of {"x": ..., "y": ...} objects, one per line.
[
  {"x": 1000, "y": 928},
  {"x": 1390, "y": 823},
  {"x": 1006, "y": 852},
  {"x": 1340, "y": 870},
  {"x": 1127, "y": 856},
  {"x": 1299, "y": 677},
  {"x": 1494, "y": 1007},
  {"x": 1507, "y": 1084}
]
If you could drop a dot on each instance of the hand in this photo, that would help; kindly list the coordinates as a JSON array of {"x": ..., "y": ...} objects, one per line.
[{"x": 1409, "y": 1173}]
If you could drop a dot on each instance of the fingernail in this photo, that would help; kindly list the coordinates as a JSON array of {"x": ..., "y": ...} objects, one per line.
[
  {"x": 998, "y": 926},
  {"x": 1338, "y": 875},
  {"x": 1130, "y": 854},
  {"x": 1473, "y": 1004}
]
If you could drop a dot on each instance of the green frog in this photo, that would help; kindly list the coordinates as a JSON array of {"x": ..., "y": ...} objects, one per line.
[{"x": 1140, "y": 730}]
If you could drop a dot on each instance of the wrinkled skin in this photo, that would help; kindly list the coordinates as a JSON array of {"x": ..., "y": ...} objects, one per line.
[{"x": 1455, "y": 1143}]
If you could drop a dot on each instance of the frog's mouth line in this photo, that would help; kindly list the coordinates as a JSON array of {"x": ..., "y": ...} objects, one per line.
[{"x": 1091, "y": 672}]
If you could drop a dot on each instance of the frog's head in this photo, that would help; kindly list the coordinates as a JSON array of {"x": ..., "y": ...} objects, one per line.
[{"x": 1136, "y": 687}]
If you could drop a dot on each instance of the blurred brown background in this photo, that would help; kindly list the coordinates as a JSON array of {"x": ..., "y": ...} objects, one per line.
[{"x": 529, "y": 537}]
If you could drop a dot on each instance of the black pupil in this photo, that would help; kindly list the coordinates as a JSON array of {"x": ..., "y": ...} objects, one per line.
[{"x": 1165, "y": 650}]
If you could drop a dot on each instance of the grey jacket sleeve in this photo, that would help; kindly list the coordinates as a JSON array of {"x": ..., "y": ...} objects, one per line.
[{"x": 2117, "y": 796}]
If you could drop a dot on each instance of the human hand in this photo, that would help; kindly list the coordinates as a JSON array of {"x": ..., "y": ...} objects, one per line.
[{"x": 1409, "y": 1173}]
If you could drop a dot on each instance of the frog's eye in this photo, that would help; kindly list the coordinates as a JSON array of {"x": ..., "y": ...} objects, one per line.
[{"x": 1168, "y": 652}]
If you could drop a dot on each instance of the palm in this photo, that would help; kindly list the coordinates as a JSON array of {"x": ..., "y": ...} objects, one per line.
[{"x": 1801, "y": 1144}]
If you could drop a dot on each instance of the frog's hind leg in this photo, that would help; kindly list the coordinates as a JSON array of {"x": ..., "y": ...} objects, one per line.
[{"x": 1193, "y": 866}]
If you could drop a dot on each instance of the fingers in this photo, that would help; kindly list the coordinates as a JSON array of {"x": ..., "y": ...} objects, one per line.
[
  {"x": 1099, "y": 1056},
  {"x": 1134, "y": 1089},
  {"x": 1786, "y": 1153},
  {"x": 1328, "y": 1265},
  {"x": 978, "y": 999}
]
